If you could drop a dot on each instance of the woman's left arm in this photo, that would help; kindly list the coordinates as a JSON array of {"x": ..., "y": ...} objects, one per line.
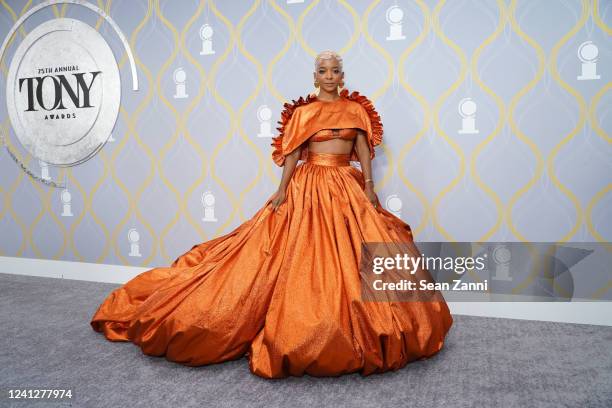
[{"x": 363, "y": 151}]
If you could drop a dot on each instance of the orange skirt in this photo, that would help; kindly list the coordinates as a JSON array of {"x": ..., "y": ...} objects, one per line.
[{"x": 282, "y": 289}]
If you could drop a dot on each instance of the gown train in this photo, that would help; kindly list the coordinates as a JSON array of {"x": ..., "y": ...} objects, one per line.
[{"x": 282, "y": 289}]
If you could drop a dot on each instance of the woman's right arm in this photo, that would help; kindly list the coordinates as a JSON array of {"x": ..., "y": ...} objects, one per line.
[{"x": 290, "y": 162}]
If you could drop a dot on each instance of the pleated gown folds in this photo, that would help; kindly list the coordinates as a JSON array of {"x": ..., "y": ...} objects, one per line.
[{"x": 283, "y": 289}]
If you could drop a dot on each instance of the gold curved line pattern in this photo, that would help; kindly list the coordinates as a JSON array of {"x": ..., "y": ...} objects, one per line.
[
  {"x": 21, "y": 30},
  {"x": 382, "y": 51},
  {"x": 501, "y": 108},
  {"x": 589, "y": 217},
  {"x": 88, "y": 207},
  {"x": 587, "y": 115},
  {"x": 295, "y": 34},
  {"x": 130, "y": 121},
  {"x": 69, "y": 238},
  {"x": 514, "y": 127},
  {"x": 581, "y": 120},
  {"x": 599, "y": 293},
  {"x": 45, "y": 200},
  {"x": 59, "y": 13},
  {"x": 438, "y": 128},
  {"x": 55, "y": 10},
  {"x": 246, "y": 103},
  {"x": 86, "y": 196},
  {"x": 385, "y": 86},
  {"x": 603, "y": 290},
  {"x": 353, "y": 40},
  {"x": 426, "y": 119},
  {"x": 559, "y": 290},
  {"x": 106, "y": 9},
  {"x": 8, "y": 207},
  {"x": 594, "y": 123},
  {"x": 292, "y": 36},
  {"x": 529, "y": 142},
  {"x": 350, "y": 43},
  {"x": 535, "y": 268},
  {"x": 598, "y": 20},
  {"x": 4, "y": 131},
  {"x": 300, "y": 25},
  {"x": 124, "y": 55},
  {"x": 190, "y": 107},
  {"x": 175, "y": 135},
  {"x": 271, "y": 88},
  {"x": 231, "y": 113},
  {"x": 107, "y": 172}
]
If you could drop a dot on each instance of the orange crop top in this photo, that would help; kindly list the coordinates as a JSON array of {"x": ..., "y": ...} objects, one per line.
[{"x": 329, "y": 134}]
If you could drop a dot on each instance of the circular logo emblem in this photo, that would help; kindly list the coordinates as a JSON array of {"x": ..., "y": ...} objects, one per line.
[{"x": 63, "y": 92}]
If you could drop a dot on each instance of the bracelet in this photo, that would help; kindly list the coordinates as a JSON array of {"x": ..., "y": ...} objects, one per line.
[{"x": 369, "y": 179}]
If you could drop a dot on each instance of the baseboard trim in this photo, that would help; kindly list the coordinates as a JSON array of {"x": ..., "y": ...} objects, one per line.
[
  {"x": 596, "y": 313},
  {"x": 50, "y": 268}
]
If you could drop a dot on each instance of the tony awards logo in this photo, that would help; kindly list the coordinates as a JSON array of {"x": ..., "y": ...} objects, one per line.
[
  {"x": 63, "y": 89},
  {"x": 63, "y": 105},
  {"x": 36, "y": 92}
]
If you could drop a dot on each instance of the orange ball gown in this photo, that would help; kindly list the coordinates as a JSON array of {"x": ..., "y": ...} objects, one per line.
[{"x": 283, "y": 288}]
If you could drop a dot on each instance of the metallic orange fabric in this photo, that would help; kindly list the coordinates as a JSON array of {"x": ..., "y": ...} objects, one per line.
[
  {"x": 282, "y": 289},
  {"x": 329, "y": 134},
  {"x": 303, "y": 118},
  {"x": 329, "y": 159}
]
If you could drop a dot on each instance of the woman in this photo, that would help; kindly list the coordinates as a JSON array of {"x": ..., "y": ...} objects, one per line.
[{"x": 283, "y": 288}]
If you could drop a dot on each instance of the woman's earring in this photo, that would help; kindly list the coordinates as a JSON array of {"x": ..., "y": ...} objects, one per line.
[
  {"x": 317, "y": 88},
  {"x": 340, "y": 87}
]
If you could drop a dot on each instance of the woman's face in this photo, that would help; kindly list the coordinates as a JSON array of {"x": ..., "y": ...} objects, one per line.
[{"x": 328, "y": 75}]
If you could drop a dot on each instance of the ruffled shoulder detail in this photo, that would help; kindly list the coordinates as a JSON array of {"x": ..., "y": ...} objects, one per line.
[
  {"x": 289, "y": 109},
  {"x": 281, "y": 147},
  {"x": 376, "y": 136}
]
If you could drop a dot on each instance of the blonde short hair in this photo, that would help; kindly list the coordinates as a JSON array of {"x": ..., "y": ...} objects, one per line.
[{"x": 327, "y": 54}]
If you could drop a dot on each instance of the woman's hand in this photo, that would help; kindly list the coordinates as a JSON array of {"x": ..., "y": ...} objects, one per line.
[
  {"x": 369, "y": 191},
  {"x": 277, "y": 199}
]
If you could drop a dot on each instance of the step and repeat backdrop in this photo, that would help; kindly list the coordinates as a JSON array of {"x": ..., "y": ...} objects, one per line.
[{"x": 133, "y": 130}]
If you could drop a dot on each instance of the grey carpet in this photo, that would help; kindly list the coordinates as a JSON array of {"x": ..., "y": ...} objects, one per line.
[{"x": 46, "y": 342}]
